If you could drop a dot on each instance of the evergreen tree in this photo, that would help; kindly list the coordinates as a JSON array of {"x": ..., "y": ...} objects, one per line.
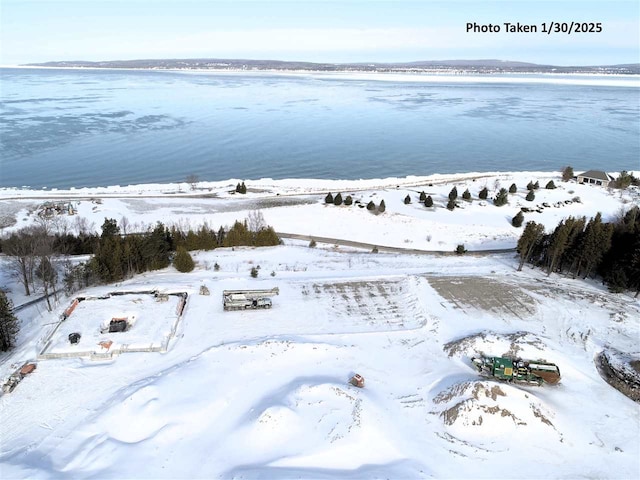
[
  {"x": 466, "y": 194},
  {"x": 407, "y": 200},
  {"x": 243, "y": 188},
  {"x": 567, "y": 173},
  {"x": 328, "y": 198},
  {"x": 550, "y": 185},
  {"x": 558, "y": 244},
  {"x": 530, "y": 196},
  {"x": 513, "y": 188},
  {"x": 312, "y": 243},
  {"x": 423, "y": 196},
  {"x": 183, "y": 261},
  {"x": 266, "y": 237},
  {"x": 337, "y": 200},
  {"x": 623, "y": 181},
  {"x": 382, "y": 206},
  {"x": 428, "y": 201},
  {"x": 237, "y": 235},
  {"x": 220, "y": 237},
  {"x": 371, "y": 206},
  {"x": 530, "y": 185},
  {"x": 484, "y": 193},
  {"x": 460, "y": 249},
  {"x": 501, "y": 198},
  {"x": 536, "y": 185},
  {"x": 238, "y": 188},
  {"x": 530, "y": 237},
  {"x": 254, "y": 272},
  {"x": 348, "y": 200},
  {"x": 453, "y": 194},
  {"x": 9, "y": 325},
  {"x": 517, "y": 220},
  {"x": 451, "y": 205}
]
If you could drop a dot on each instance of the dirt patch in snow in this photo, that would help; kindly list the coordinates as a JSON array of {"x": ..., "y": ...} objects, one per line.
[
  {"x": 621, "y": 372},
  {"x": 491, "y": 410},
  {"x": 485, "y": 294}
]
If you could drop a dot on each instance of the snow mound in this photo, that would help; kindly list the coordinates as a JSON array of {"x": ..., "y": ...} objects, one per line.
[
  {"x": 621, "y": 371},
  {"x": 307, "y": 414},
  {"x": 483, "y": 412},
  {"x": 521, "y": 343}
]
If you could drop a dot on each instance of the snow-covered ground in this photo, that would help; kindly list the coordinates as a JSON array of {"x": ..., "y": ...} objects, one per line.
[
  {"x": 297, "y": 206},
  {"x": 265, "y": 393}
]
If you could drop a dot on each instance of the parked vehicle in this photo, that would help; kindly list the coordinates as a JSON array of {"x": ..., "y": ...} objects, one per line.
[{"x": 248, "y": 299}]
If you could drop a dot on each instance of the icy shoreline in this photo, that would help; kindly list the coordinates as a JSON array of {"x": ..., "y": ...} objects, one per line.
[{"x": 580, "y": 79}]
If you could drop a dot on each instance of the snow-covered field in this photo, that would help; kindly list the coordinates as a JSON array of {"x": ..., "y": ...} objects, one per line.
[
  {"x": 265, "y": 393},
  {"x": 297, "y": 206}
]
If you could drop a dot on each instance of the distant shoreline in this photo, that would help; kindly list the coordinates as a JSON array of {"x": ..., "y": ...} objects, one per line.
[{"x": 427, "y": 76}]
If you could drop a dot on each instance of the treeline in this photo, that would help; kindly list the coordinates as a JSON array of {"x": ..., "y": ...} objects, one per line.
[
  {"x": 117, "y": 256},
  {"x": 584, "y": 249},
  {"x": 33, "y": 251}
]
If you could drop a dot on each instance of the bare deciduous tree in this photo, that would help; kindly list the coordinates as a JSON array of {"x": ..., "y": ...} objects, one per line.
[
  {"x": 193, "y": 180},
  {"x": 255, "y": 221}
]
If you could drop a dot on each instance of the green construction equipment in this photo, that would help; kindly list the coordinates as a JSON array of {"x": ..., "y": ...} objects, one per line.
[{"x": 517, "y": 370}]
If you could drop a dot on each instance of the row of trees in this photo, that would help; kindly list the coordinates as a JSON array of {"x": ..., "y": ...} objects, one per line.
[
  {"x": 587, "y": 248},
  {"x": 34, "y": 251}
]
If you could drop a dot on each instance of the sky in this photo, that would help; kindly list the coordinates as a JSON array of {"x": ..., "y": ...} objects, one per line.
[{"x": 317, "y": 31}]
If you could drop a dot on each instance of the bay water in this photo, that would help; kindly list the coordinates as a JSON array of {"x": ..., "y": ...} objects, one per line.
[{"x": 73, "y": 128}]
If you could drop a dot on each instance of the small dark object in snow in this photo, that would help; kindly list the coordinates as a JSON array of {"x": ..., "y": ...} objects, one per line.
[
  {"x": 74, "y": 338},
  {"x": 357, "y": 381}
]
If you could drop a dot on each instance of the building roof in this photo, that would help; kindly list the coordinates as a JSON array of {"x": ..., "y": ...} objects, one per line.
[{"x": 595, "y": 174}]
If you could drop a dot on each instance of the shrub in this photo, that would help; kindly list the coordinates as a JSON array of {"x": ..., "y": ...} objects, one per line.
[
  {"x": 273, "y": 273},
  {"x": 337, "y": 200},
  {"x": 423, "y": 196},
  {"x": 530, "y": 196},
  {"x": 254, "y": 272},
  {"x": 517, "y": 220},
  {"x": 513, "y": 188},
  {"x": 348, "y": 200},
  {"x": 312, "y": 243},
  {"x": 371, "y": 206},
  {"x": 460, "y": 249},
  {"x": 484, "y": 193},
  {"x": 501, "y": 198},
  {"x": 567, "y": 174},
  {"x": 550, "y": 185},
  {"x": 374, "y": 250},
  {"x": 328, "y": 198},
  {"x": 382, "y": 206},
  {"x": 407, "y": 200},
  {"x": 451, "y": 205},
  {"x": 428, "y": 201},
  {"x": 623, "y": 180},
  {"x": 466, "y": 194},
  {"x": 216, "y": 267},
  {"x": 453, "y": 194},
  {"x": 183, "y": 261}
]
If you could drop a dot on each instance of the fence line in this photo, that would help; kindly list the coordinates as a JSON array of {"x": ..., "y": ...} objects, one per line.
[{"x": 124, "y": 348}]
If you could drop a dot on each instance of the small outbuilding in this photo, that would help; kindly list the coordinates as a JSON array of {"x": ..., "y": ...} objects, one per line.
[{"x": 595, "y": 177}]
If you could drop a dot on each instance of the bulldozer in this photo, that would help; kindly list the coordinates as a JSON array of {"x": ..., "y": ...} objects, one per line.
[{"x": 517, "y": 370}]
